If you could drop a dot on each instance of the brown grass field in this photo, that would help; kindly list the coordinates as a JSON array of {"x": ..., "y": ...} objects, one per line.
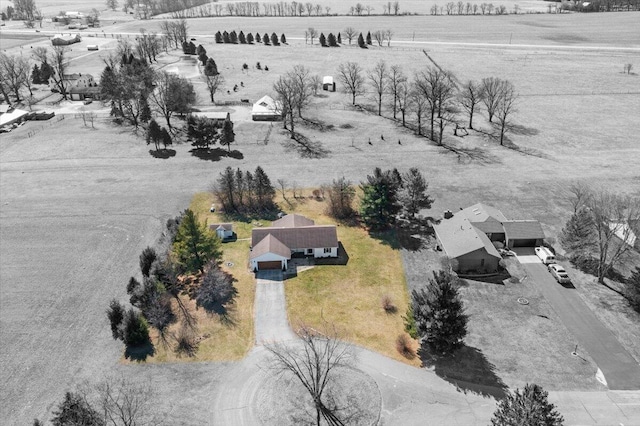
[{"x": 78, "y": 205}]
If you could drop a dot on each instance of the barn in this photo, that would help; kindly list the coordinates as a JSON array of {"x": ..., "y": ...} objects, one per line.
[{"x": 266, "y": 109}]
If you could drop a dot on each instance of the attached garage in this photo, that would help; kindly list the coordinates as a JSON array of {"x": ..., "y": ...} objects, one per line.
[
  {"x": 273, "y": 264},
  {"x": 523, "y": 233},
  {"x": 270, "y": 254}
]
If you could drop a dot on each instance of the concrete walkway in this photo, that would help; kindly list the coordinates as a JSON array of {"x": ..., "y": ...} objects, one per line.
[
  {"x": 271, "y": 323},
  {"x": 620, "y": 369}
]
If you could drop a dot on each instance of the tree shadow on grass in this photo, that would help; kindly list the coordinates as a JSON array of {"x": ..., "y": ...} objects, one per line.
[
  {"x": 468, "y": 369},
  {"x": 215, "y": 154},
  {"x": 306, "y": 148},
  {"x": 410, "y": 234},
  {"x": 139, "y": 353},
  {"x": 163, "y": 153}
]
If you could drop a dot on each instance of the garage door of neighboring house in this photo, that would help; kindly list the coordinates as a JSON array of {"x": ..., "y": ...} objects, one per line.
[
  {"x": 275, "y": 264},
  {"x": 524, "y": 243}
]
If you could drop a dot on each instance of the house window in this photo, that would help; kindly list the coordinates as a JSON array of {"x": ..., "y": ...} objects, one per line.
[
  {"x": 482, "y": 262},
  {"x": 327, "y": 249}
]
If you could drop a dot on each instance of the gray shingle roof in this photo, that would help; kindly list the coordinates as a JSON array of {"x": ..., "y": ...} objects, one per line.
[
  {"x": 225, "y": 226},
  {"x": 481, "y": 213},
  {"x": 270, "y": 244},
  {"x": 458, "y": 237},
  {"x": 523, "y": 229},
  {"x": 315, "y": 236},
  {"x": 292, "y": 221}
]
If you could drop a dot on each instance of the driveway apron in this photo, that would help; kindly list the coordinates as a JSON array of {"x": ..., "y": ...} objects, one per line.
[{"x": 271, "y": 323}]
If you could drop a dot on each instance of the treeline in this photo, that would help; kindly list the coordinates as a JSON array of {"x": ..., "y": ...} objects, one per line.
[
  {"x": 187, "y": 248},
  {"x": 235, "y": 38},
  {"x": 461, "y": 8},
  {"x": 244, "y": 192}
]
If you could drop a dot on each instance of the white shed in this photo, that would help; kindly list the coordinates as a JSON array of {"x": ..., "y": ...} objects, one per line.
[
  {"x": 223, "y": 230},
  {"x": 328, "y": 83},
  {"x": 266, "y": 109}
]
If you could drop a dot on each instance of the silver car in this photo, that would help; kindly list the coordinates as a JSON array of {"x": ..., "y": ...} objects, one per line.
[{"x": 559, "y": 273}]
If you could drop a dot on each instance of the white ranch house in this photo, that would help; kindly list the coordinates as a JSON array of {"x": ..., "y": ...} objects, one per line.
[{"x": 273, "y": 247}]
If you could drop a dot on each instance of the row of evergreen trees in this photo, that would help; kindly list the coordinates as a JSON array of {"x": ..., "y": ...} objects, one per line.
[
  {"x": 41, "y": 74},
  {"x": 210, "y": 66},
  {"x": 330, "y": 41},
  {"x": 244, "y": 192},
  {"x": 235, "y": 38}
]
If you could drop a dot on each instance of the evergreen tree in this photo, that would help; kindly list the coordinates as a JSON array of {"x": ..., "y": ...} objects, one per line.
[
  {"x": 233, "y": 37},
  {"x": 265, "y": 39},
  {"x": 577, "y": 235},
  {"x": 135, "y": 329},
  {"x": 192, "y": 48},
  {"x": 200, "y": 50},
  {"x": 258, "y": 38},
  {"x": 274, "y": 39},
  {"x": 146, "y": 259},
  {"x": 75, "y": 410},
  {"x": 35, "y": 75},
  {"x": 241, "y": 38},
  {"x": 201, "y": 131},
  {"x": 369, "y": 38},
  {"x": 203, "y": 58},
  {"x": 154, "y": 134},
  {"x": 228, "y": 136},
  {"x": 225, "y": 37},
  {"x": 46, "y": 71},
  {"x": 439, "y": 312},
  {"x": 413, "y": 195},
  {"x": 339, "y": 38},
  {"x": 145, "y": 109},
  {"x": 165, "y": 136},
  {"x": 379, "y": 205},
  {"x": 115, "y": 313},
  {"x": 263, "y": 189},
  {"x": 219, "y": 37},
  {"x": 527, "y": 407},
  {"x": 250, "y": 38},
  {"x": 633, "y": 289},
  {"x": 211, "y": 68},
  {"x": 332, "y": 40},
  {"x": 323, "y": 40},
  {"x": 195, "y": 244},
  {"x": 283, "y": 39},
  {"x": 185, "y": 48},
  {"x": 361, "y": 42}
]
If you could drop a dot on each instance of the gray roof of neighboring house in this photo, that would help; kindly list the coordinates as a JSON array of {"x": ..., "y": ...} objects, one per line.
[
  {"x": 458, "y": 237},
  {"x": 523, "y": 229},
  {"x": 481, "y": 213},
  {"x": 292, "y": 221},
  {"x": 315, "y": 236},
  {"x": 270, "y": 244},
  {"x": 225, "y": 226}
]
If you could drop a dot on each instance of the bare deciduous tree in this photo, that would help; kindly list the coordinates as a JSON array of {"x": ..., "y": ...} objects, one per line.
[
  {"x": 506, "y": 107},
  {"x": 387, "y": 36},
  {"x": 396, "y": 78},
  {"x": 438, "y": 89},
  {"x": 471, "y": 94},
  {"x": 58, "y": 61},
  {"x": 628, "y": 68},
  {"x": 350, "y": 33},
  {"x": 350, "y": 74},
  {"x": 379, "y": 82},
  {"x": 214, "y": 83},
  {"x": 312, "y": 33},
  {"x": 378, "y": 36},
  {"x": 313, "y": 364},
  {"x": 491, "y": 89},
  {"x": 125, "y": 402},
  {"x": 15, "y": 73}
]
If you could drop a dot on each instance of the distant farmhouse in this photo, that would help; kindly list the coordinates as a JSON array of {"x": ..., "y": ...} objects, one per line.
[
  {"x": 293, "y": 235},
  {"x": 266, "y": 109},
  {"x": 471, "y": 235},
  {"x": 79, "y": 86}
]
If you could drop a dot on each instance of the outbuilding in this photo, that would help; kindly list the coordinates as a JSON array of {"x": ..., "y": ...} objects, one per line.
[
  {"x": 224, "y": 231},
  {"x": 328, "y": 83},
  {"x": 266, "y": 109}
]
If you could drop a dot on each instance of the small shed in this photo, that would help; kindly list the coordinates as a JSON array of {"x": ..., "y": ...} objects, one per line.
[
  {"x": 266, "y": 109},
  {"x": 218, "y": 117},
  {"x": 82, "y": 93},
  {"x": 328, "y": 83},
  {"x": 224, "y": 231}
]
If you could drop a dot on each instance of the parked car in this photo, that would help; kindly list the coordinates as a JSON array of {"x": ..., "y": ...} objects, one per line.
[
  {"x": 506, "y": 252},
  {"x": 559, "y": 273},
  {"x": 545, "y": 255}
]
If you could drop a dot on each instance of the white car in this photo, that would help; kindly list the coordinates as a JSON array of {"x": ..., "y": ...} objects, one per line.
[
  {"x": 545, "y": 255},
  {"x": 559, "y": 273}
]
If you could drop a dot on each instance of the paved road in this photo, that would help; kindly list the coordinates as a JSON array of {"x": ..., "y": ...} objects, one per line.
[
  {"x": 620, "y": 369},
  {"x": 271, "y": 323}
]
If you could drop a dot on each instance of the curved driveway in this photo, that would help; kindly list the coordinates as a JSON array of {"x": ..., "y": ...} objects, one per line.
[{"x": 620, "y": 369}]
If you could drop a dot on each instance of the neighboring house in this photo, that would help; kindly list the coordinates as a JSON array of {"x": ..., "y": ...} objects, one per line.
[
  {"x": 218, "y": 116},
  {"x": 65, "y": 39},
  {"x": 266, "y": 109},
  {"x": 82, "y": 93},
  {"x": 328, "y": 83},
  {"x": 224, "y": 231},
  {"x": 75, "y": 81},
  {"x": 470, "y": 236},
  {"x": 11, "y": 115},
  {"x": 272, "y": 247},
  {"x": 468, "y": 245}
]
